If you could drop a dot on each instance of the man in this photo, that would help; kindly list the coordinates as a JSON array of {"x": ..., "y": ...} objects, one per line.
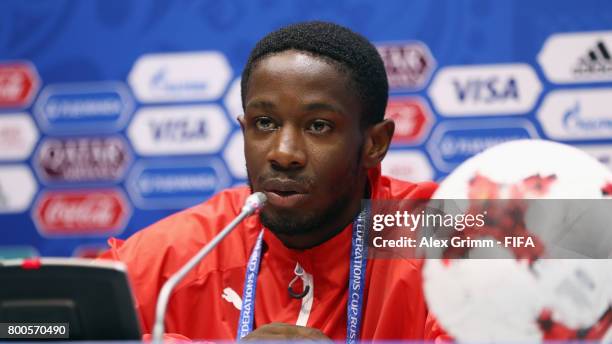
[{"x": 314, "y": 96}]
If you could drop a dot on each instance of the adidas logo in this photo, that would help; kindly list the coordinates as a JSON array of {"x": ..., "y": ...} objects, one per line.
[{"x": 596, "y": 60}]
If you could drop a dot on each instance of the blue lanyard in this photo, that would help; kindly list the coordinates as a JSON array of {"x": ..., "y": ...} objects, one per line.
[
  {"x": 245, "y": 324},
  {"x": 357, "y": 275}
]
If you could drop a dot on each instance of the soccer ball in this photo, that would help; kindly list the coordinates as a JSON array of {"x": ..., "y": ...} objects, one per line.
[{"x": 530, "y": 295}]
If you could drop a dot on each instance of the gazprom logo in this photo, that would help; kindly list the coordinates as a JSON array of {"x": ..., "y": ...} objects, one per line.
[
  {"x": 453, "y": 142},
  {"x": 91, "y": 107},
  {"x": 582, "y": 114},
  {"x": 163, "y": 82},
  {"x": 573, "y": 119},
  {"x": 175, "y": 184},
  {"x": 177, "y": 77}
]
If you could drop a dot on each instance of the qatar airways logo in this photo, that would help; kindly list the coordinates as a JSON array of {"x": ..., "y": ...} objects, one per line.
[
  {"x": 408, "y": 64},
  {"x": 80, "y": 212},
  {"x": 175, "y": 77},
  {"x": 577, "y": 114},
  {"x": 82, "y": 159}
]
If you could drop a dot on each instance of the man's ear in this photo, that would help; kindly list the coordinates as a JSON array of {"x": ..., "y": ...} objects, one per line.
[
  {"x": 241, "y": 121},
  {"x": 377, "y": 142}
]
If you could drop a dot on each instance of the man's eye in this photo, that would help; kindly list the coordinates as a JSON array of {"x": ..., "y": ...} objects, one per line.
[
  {"x": 320, "y": 127},
  {"x": 265, "y": 123}
]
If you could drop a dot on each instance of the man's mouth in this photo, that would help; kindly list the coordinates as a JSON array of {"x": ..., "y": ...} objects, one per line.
[{"x": 285, "y": 193}]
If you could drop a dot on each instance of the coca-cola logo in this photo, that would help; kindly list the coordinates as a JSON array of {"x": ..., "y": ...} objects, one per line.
[
  {"x": 18, "y": 83},
  {"x": 83, "y": 159},
  {"x": 83, "y": 212}
]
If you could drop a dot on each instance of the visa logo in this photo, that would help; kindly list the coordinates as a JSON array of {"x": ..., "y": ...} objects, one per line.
[
  {"x": 176, "y": 130},
  {"x": 179, "y": 130},
  {"x": 486, "y": 90}
]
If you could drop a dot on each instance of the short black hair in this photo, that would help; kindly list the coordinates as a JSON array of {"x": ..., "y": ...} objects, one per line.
[{"x": 351, "y": 53}]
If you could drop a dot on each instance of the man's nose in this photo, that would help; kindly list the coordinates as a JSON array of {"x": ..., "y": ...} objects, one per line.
[{"x": 287, "y": 151}]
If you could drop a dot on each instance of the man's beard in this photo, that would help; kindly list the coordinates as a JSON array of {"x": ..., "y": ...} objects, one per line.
[{"x": 293, "y": 224}]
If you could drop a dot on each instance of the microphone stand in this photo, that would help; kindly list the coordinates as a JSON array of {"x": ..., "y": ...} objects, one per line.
[{"x": 252, "y": 203}]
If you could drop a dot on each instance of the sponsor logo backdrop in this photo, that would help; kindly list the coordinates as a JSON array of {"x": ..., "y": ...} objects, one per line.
[{"x": 114, "y": 114}]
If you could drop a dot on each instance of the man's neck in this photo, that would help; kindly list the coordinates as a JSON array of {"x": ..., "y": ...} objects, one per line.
[{"x": 312, "y": 239}]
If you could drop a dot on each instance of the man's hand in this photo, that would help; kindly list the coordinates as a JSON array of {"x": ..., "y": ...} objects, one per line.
[{"x": 280, "y": 331}]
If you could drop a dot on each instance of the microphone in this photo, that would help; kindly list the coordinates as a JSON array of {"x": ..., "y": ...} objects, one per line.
[{"x": 253, "y": 202}]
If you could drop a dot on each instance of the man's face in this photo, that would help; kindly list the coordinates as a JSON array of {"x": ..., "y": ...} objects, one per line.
[{"x": 302, "y": 141}]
